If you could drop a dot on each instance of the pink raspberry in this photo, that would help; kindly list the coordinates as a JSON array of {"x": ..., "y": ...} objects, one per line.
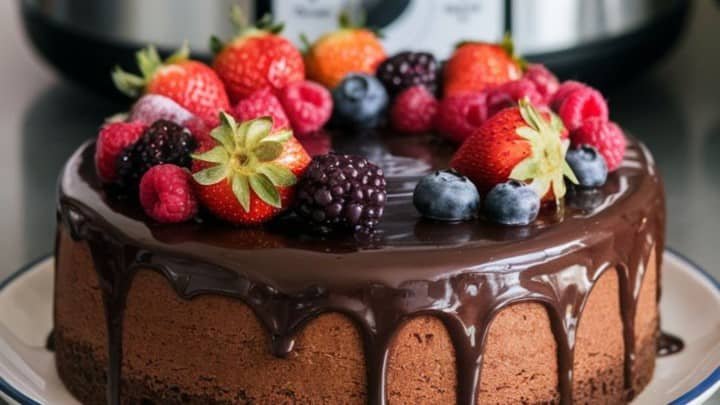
[
  {"x": 308, "y": 106},
  {"x": 166, "y": 194},
  {"x": 605, "y": 136},
  {"x": 200, "y": 130},
  {"x": 545, "y": 82},
  {"x": 112, "y": 140},
  {"x": 414, "y": 110},
  {"x": 262, "y": 103},
  {"x": 565, "y": 88},
  {"x": 152, "y": 107},
  {"x": 509, "y": 93},
  {"x": 460, "y": 114},
  {"x": 580, "y": 105}
]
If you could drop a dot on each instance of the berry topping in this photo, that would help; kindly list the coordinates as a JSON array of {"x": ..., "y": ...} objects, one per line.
[
  {"x": 166, "y": 194},
  {"x": 408, "y": 69},
  {"x": 414, "y": 110},
  {"x": 517, "y": 143},
  {"x": 512, "y": 203},
  {"x": 605, "y": 136},
  {"x": 580, "y": 105},
  {"x": 248, "y": 175},
  {"x": 562, "y": 92},
  {"x": 308, "y": 106},
  {"x": 341, "y": 192},
  {"x": 262, "y": 103},
  {"x": 459, "y": 116},
  {"x": 163, "y": 142},
  {"x": 152, "y": 107},
  {"x": 588, "y": 165},
  {"x": 446, "y": 196},
  {"x": 508, "y": 94},
  {"x": 112, "y": 140},
  {"x": 545, "y": 82},
  {"x": 359, "y": 100}
]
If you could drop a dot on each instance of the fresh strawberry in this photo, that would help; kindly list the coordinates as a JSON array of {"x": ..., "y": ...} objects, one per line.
[
  {"x": 605, "y": 136},
  {"x": 545, "y": 81},
  {"x": 517, "y": 143},
  {"x": 475, "y": 66},
  {"x": 113, "y": 139},
  {"x": 257, "y": 58},
  {"x": 191, "y": 84},
  {"x": 351, "y": 49},
  {"x": 414, "y": 110},
  {"x": 166, "y": 194},
  {"x": 581, "y": 104},
  {"x": 509, "y": 93},
  {"x": 249, "y": 175},
  {"x": 262, "y": 103},
  {"x": 308, "y": 106},
  {"x": 460, "y": 115}
]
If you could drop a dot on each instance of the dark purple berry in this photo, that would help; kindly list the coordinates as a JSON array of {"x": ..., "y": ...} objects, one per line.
[
  {"x": 341, "y": 192},
  {"x": 407, "y": 69}
]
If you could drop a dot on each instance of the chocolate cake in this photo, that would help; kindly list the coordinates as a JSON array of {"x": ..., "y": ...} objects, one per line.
[{"x": 562, "y": 310}]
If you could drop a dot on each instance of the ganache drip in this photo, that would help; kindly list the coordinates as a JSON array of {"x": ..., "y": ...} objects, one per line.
[{"x": 552, "y": 271}]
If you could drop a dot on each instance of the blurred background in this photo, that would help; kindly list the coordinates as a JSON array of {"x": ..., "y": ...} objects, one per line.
[{"x": 658, "y": 62}]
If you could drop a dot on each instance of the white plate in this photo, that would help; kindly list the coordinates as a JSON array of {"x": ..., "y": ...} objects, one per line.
[{"x": 690, "y": 306}]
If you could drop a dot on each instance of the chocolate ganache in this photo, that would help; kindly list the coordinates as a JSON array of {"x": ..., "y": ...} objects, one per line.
[{"x": 463, "y": 274}]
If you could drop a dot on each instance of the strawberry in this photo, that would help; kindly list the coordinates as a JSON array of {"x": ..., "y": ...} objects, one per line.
[
  {"x": 475, "y": 66},
  {"x": 191, "y": 84},
  {"x": 350, "y": 49},
  {"x": 517, "y": 143},
  {"x": 248, "y": 176},
  {"x": 256, "y": 58}
]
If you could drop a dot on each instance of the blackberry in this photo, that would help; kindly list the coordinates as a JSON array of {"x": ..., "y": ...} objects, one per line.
[
  {"x": 407, "y": 69},
  {"x": 341, "y": 192},
  {"x": 163, "y": 142}
]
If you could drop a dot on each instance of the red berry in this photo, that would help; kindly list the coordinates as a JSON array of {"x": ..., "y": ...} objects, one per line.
[
  {"x": 262, "y": 103},
  {"x": 459, "y": 115},
  {"x": 605, "y": 136},
  {"x": 562, "y": 92},
  {"x": 414, "y": 110},
  {"x": 509, "y": 93},
  {"x": 112, "y": 140},
  {"x": 545, "y": 82},
  {"x": 308, "y": 106},
  {"x": 580, "y": 105},
  {"x": 166, "y": 194},
  {"x": 200, "y": 130}
]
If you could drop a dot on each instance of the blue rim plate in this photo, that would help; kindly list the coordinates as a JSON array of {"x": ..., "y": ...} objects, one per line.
[{"x": 694, "y": 393}]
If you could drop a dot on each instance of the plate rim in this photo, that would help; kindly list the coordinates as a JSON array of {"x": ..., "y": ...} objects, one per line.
[{"x": 695, "y": 392}]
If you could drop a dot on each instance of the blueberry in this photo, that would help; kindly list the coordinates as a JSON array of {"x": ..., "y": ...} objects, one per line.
[
  {"x": 588, "y": 165},
  {"x": 446, "y": 196},
  {"x": 359, "y": 101},
  {"x": 512, "y": 203}
]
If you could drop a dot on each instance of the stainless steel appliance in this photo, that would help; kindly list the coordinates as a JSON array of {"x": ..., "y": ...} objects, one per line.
[{"x": 595, "y": 40}]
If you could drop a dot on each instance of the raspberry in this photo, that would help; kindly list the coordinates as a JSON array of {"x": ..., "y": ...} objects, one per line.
[
  {"x": 414, "y": 110},
  {"x": 581, "y": 104},
  {"x": 112, "y": 140},
  {"x": 308, "y": 106},
  {"x": 407, "y": 69},
  {"x": 152, "y": 107},
  {"x": 460, "y": 114},
  {"x": 262, "y": 103},
  {"x": 562, "y": 92},
  {"x": 163, "y": 142},
  {"x": 545, "y": 82},
  {"x": 509, "y": 93},
  {"x": 200, "y": 130},
  {"x": 166, "y": 194},
  {"x": 605, "y": 136},
  {"x": 341, "y": 192}
]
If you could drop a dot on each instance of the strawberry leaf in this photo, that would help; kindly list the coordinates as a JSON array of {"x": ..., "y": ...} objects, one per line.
[
  {"x": 265, "y": 190},
  {"x": 211, "y": 175},
  {"x": 241, "y": 189},
  {"x": 268, "y": 151},
  {"x": 217, "y": 154},
  {"x": 279, "y": 175},
  {"x": 280, "y": 136},
  {"x": 257, "y": 130}
]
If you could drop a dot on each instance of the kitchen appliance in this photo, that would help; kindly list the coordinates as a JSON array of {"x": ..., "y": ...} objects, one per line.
[{"x": 600, "y": 41}]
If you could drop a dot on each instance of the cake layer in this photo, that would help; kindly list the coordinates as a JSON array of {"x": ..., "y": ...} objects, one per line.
[{"x": 462, "y": 278}]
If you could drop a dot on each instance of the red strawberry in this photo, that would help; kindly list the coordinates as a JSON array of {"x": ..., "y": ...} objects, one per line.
[
  {"x": 112, "y": 140},
  {"x": 414, "y": 110},
  {"x": 249, "y": 175},
  {"x": 475, "y": 66},
  {"x": 580, "y": 105},
  {"x": 517, "y": 143},
  {"x": 459, "y": 115},
  {"x": 256, "y": 58},
  {"x": 509, "y": 93},
  {"x": 189, "y": 83},
  {"x": 605, "y": 136},
  {"x": 262, "y": 103},
  {"x": 166, "y": 194},
  {"x": 308, "y": 106}
]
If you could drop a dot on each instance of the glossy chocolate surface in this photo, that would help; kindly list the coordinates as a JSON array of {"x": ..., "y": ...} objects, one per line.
[{"x": 463, "y": 274}]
